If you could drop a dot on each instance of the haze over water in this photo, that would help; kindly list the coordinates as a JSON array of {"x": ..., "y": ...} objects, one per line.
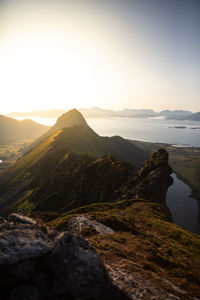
[{"x": 147, "y": 130}]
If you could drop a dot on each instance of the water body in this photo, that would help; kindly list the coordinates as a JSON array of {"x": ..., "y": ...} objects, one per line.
[
  {"x": 183, "y": 208},
  {"x": 149, "y": 130},
  {"x": 155, "y": 130}
]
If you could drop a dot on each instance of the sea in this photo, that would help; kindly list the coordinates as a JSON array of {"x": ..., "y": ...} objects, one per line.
[{"x": 155, "y": 130}]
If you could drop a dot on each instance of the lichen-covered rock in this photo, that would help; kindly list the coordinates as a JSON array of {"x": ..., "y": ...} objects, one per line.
[
  {"x": 37, "y": 263},
  {"x": 81, "y": 224},
  {"x": 20, "y": 244}
]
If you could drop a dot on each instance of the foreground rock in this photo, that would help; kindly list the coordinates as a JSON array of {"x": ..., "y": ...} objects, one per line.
[{"x": 39, "y": 263}]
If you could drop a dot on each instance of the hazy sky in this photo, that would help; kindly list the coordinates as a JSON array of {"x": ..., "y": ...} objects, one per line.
[{"x": 112, "y": 54}]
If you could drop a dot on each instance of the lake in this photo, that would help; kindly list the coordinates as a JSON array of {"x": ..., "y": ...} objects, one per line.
[{"x": 184, "y": 209}]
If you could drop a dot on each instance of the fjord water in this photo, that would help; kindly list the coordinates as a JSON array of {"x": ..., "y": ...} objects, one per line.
[
  {"x": 158, "y": 130},
  {"x": 149, "y": 130},
  {"x": 184, "y": 209}
]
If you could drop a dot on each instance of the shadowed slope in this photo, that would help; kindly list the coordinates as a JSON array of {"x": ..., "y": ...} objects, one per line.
[
  {"x": 78, "y": 137},
  {"x": 12, "y": 130}
]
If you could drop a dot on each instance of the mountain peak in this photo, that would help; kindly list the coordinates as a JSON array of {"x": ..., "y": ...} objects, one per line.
[{"x": 69, "y": 119}]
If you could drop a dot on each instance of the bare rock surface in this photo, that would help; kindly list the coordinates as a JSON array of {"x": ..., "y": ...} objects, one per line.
[
  {"x": 79, "y": 223},
  {"x": 19, "y": 244},
  {"x": 37, "y": 263},
  {"x": 135, "y": 286},
  {"x": 80, "y": 261}
]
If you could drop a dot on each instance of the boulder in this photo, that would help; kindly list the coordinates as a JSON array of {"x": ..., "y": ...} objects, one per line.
[
  {"x": 26, "y": 292},
  {"x": 37, "y": 263},
  {"x": 79, "y": 272},
  {"x": 20, "y": 244}
]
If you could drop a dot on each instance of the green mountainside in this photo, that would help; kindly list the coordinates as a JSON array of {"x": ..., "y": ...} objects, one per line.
[
  {"x": 12, "y": 130},
  {"x": 78, "y": 137},
  {"x": 75, "y": 155}
]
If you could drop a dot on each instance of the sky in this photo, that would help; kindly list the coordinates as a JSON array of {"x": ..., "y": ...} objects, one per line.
[{"x": 113, "y": 54}]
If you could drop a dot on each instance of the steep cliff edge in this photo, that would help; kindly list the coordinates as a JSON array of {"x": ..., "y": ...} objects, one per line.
[
  {"x": 154, "y": 178},
  {"x": 58, "y": 180}
]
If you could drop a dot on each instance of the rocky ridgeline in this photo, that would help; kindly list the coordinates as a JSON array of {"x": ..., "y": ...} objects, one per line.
[
  {"x": 153, "y": 180},
  {"x": 39, "y": 263}
]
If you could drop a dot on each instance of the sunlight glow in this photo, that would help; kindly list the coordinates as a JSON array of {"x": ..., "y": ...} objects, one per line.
[
  {"x": 65, "y": 54},
  {"x": 61, "y": 64},
  {"x": 68, "y": 58}
]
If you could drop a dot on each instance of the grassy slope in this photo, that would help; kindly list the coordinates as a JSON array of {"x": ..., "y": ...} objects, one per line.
[
  {"x": 144, "y": 243},
  {"x": 10, "y": 152},
  {"x": 18, "y": 174},
  {"x": 36, "y": 178}
]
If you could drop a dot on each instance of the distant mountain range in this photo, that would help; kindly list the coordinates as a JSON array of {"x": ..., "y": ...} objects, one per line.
[
  {"x": 96, "y": 112},
  {"x": 191, "y": 116},
  {"x": 12, "y": 130}
]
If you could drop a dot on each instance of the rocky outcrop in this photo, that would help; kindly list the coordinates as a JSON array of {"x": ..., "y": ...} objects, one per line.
[
  {"x": 153, "y": 180},
  {"x": 39, "y": 263},
  {"x": 87, "y": 226}
]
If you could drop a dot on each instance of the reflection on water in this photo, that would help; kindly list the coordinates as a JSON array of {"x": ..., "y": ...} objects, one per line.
[
  {"x": 1, "y": 161},
  {"x": 183, "y": 208}
]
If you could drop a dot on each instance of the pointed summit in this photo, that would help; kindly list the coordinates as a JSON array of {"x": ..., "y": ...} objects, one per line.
[{"x": 69, "y": 119}]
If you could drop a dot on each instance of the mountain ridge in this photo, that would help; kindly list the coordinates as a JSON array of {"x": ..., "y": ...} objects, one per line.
[
  {"x": 56, "y": 147},
  {"x": 12, "y": 130},
  {"x": 96, "y": 112}
]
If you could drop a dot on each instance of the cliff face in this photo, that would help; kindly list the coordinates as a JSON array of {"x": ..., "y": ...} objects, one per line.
[
  {"x": 60, "y": 181},
  {"x": 154, "y": 178}
]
